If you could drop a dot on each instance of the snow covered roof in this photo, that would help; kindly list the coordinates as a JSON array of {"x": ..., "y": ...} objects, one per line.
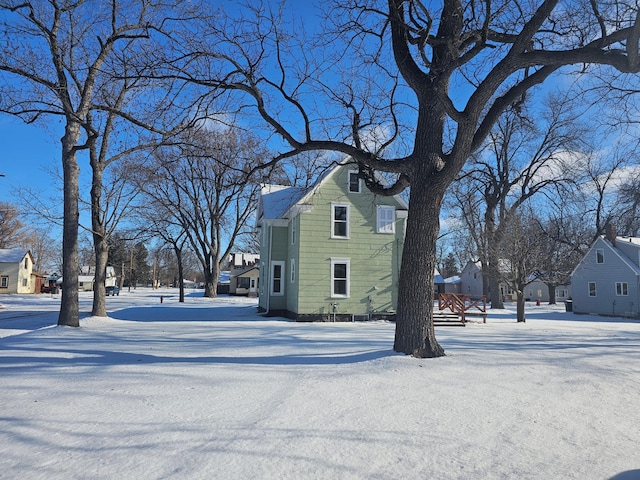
[
  {"x": 12, "y": 255},
  {"x": 632, "y": 240},
  {"x": 277, "y": 199}
]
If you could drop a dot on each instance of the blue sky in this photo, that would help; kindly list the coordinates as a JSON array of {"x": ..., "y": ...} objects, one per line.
[{"x": 27, "y": 152}]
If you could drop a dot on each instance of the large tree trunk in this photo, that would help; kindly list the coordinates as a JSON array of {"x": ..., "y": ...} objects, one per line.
[
  {"x": 552, "y": 293},
  {"x": 69, "y": 310},
  {"x": 211, "y": 275},
  {"x": 494, "y": 292},
  {"x": 178, "y": 252},
  {"x": 415, "y": 333},
  {"x": 520, "y": 315},
  {"x": 101, "y": 251},
  {"x": 100, "y": 246}
]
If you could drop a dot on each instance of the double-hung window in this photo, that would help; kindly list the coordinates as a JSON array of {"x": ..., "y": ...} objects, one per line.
[
  {"x": 292, "y": 279},
  {"x": 622, "y": 289},
  {"x": 599, "y": 255},
  {"x": 592, "y": 289},
  {"x": 339, "y": 220},
  {"x": 4, "y": 282},
  {"x": 386, "y": 219},
  {"x": 340, "y": 273},
  {"x": 277, "y": 276}
]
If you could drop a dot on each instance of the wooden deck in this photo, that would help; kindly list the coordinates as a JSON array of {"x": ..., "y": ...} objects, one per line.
[{"x": 454, "y": 309}]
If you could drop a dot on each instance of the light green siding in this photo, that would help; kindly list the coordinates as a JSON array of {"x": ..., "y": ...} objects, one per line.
[
  {"x": 373, "y": 257},
  {"x": 294, "y": 251}
]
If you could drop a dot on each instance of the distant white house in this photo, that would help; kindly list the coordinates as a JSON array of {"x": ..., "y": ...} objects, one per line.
[
  {"x": 607, "y": 279},
  {"x": 537, "y": 290},
  {"x": 471, "y": 282},
  {"x": 446, "y": 285},
  {"x": 16, "y": 268},
  {"x": 86, "y": 278},
  {"x": 245, "y": 281}
]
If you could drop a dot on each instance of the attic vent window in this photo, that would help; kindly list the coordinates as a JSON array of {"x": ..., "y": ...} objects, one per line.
[
  {"x": 354, "y": 182},
  {"x": 599, "y": 255}
]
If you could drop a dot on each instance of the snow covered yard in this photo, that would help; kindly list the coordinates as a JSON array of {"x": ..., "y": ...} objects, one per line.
[{"x": 210, "y": 389}]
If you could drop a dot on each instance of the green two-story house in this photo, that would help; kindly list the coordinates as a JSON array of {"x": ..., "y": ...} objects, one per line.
[{"x": 330, "y": 252}]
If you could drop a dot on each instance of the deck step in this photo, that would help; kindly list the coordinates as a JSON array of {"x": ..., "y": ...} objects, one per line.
[{"x": 443, "y": 319}]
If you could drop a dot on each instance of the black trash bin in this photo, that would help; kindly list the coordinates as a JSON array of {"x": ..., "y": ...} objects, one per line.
[{"x": 568, "y": 305}]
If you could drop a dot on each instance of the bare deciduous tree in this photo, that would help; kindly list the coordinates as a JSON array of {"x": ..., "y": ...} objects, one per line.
[
  {"x": 208, "y": 185},
  {"x": 523, "y": 158},
  {"x": 437, "y": 78},
  {"x": 11, "y": 228},
  {"x": 58, "y": 59}
]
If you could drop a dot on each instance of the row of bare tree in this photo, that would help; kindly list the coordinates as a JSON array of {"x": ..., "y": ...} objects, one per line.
[{"x": 408, "y": 88}]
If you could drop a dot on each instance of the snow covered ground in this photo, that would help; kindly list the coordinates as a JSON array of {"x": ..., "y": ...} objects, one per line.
[{"x": 210, "y": 389}]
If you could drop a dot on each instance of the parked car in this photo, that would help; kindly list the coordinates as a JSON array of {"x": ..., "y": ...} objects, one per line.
[{"x": 113, "y": 290}]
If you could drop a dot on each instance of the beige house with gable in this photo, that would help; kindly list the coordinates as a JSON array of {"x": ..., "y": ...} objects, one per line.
[{"x": 16, "y": 268}]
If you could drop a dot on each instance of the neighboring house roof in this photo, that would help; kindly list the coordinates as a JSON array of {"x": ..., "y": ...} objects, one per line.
[
  {"x": 634, "y": 242},
  {"x": 453, "y": 279},
  {"x": 13, "y": 255},
  {"x": 238, "y": 273}
]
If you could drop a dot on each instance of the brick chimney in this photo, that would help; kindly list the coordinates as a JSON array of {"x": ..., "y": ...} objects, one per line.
[{"x": 610, "y": 233}]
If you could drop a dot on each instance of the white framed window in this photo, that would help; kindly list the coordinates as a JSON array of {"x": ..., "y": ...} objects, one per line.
[
  {"x": 292, "y": 279},
  {"x": 599, "y": 255},
  {"x": 4, "y": 282},
  {"x": 24, "y": 282},
  {"x": 354, "y": 182},
  {"x": 339, "y": 220},
  {"x": 386, "y": 219},
  {"x": 622, "y": 289},
  {"x": 592, "y": 289},
  {"x": 340, "y": 274},
  {"x": 293, "y": 231},
  {"x": 277, "y": 284}
]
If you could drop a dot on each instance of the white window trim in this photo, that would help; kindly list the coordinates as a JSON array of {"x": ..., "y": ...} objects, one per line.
[
  {"x": 346, "y": 261},
  {"x": 624, "y": 291},
  {"x": 293, "y": 231},
  {"x": 600, "y": 250},
  {"x": 292, "y": 277},
  {"x": 389, "y": 228},
  {"x": 333, "y": 220},
  {"x": 349, "y": 182},
  {"x": 4, "y": 281},
  {"x": 272, "y": 278},
  {"x": 595, "y": 288}
]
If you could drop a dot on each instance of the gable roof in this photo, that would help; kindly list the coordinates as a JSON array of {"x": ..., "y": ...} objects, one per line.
[
  {"x": 277, "y": 201},
  {"x": 13, "y": 255},
  {"x": 634, "y": 241}
]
